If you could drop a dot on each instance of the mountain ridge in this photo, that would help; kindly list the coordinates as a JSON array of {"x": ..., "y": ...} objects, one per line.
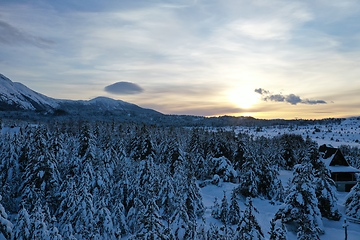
[{"x": 15, "y": 96}]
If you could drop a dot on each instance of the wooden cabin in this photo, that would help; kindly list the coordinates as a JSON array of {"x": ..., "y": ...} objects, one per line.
[{"x": 342, "y": 173}]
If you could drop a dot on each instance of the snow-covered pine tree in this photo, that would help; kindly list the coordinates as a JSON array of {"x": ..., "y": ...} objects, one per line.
[
  {"x": 214, "y": 232},
  {"x": 352, "y": 202},
  {"x": 307, "y": 231},
  {"x": 234, "y": 210},
  {"x": 103, "y": 222},
  {"x": 83, "y": 215},
  {"x": 77, "y": 206},
  {"x": 166, "y": 197},
  {"x": 141, "y": 147},
  {"x": 22, "y": 229},
  {"x": 223, "y": 167},
  {"x": 277, "y": 230},
  {"x": 216, "y": 209},
  {"x": 87, "y": 147},
  {"x": 326, "y": 192},
  {"x": 224, "y": 210},
  {"x": 6, "y": 227},
  {"x": 68, "y": 232},
  {"x": 194, "y": 204},
  {"x": 39, "y": 223},
  {"x": 180, "y": 221},
  {"x": 279, "y": 192},
  {"x": 153, "y": 227},
  {"x": 301, "y": 205},
  {"x": 135, "y": 213},
  {"x": 249, "y": 174},
  {"x": 119, "y": 219},
  {"x": 54, "y": 233},
  {"x": 10, "y": 177},
  {"x": 41, "y": 179},
  {"x": 248, "y": 227}
]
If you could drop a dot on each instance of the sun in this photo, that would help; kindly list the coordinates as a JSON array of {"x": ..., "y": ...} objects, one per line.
[{"x": 243, "y": 98}]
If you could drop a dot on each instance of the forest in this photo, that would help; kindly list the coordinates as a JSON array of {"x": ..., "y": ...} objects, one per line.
[{"x": 108, "y": 180}]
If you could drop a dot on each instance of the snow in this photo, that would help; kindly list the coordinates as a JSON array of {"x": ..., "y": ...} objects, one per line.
[
  {"x": 10, "y": 130},
  {"x": 346, "y": 133},
  {"x": 17, "y": 93},
  {"x": 267, "y": 210}
]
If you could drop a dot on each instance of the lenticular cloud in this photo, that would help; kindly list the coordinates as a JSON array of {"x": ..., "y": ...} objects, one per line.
[{"x": 123, "y": 88}]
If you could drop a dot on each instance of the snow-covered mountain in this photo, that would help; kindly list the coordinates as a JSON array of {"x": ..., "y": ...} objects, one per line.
[
  {"x": 102, "y": 104},
  {"x": 16, "y": 96}
]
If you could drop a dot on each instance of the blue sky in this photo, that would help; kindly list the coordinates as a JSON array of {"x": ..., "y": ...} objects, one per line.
[{"x": 190, "y": 57}]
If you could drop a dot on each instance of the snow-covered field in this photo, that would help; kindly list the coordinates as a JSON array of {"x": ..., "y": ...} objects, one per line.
[{"x": 346, "y": 133}]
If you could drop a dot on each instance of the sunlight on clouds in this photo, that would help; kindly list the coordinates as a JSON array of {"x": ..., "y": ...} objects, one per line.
[{"x": 243, "y": 97}]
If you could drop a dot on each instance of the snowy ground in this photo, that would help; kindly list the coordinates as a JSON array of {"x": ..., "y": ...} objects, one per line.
[
  {"x": 333, "y": 229},
  {"x": 346, "y": 133}
]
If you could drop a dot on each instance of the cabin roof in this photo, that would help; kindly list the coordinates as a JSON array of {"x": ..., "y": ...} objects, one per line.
[{"x": 335, "y": 160}]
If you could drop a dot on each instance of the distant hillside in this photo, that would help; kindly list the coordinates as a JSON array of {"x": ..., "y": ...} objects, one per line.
[{"x": 17, "y": 97}]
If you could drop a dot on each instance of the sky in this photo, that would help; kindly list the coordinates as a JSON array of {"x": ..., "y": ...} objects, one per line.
[{"x": 262, "y": 58}]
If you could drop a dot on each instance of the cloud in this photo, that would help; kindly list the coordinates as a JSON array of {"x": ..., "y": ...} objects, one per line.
[
  {"x": 10, "y": 35},
  {"x": 125, "y": 88},
  {"x": 291, "y": 98}
]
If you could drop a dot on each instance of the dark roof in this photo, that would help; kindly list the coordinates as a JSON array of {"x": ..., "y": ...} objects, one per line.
[{"x": 332, "y": 156}]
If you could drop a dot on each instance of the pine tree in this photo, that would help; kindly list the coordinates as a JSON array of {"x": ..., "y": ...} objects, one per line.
[
  {"x": 325, "y": 187},
  {"x": 153, "y": 227},
  {"x": 10, "y": 177},
  {"x": 326, "y": 192},
  {"x": 214, "y": 232},
  {"x": 22, "y": 229},
  {"x": 68, "y": 232},
  {"x": 83, "y": 212},
  {"x": 6, "y": 227},
  {"x": 301, "y": 205},
  {"x": 279, "y": 192},
  {"x": 54, "y": 233},
  {"x": 277, "y": 230},
  {"x": 166, "y": 198},
  {"x": 224, "y": 210},
  {"x": 135, "y": 213},
  {"x": 234, "y": 210},
  {"x": 104, "y": 222},
  {"x": 250, "y": 174},
  {"x": 248, "y": 227},
  {"x": 201, "y": 233},
  {"x": 215, "y": 209},
  {"x": 307, "y": 231},
  {"x": 39, "y": 223},
  {"x": 41, "y": 179},
  {"x": 352, "y": 202},
  {"x": 141, "y": 147}
]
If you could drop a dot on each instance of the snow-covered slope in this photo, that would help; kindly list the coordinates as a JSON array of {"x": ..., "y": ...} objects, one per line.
[
  {"x": 16, "y": 96},
  {"x": 103, "y": 104}
]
